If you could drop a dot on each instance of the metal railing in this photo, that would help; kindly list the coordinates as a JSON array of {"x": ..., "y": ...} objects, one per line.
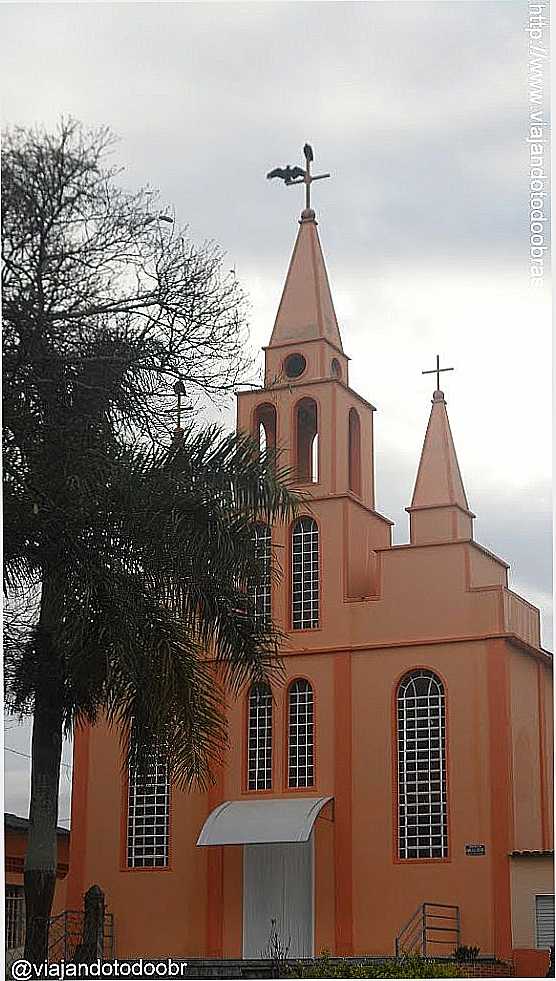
[
  {"x": 66, "y": 931},
  {"x": 432, "y": 925}
]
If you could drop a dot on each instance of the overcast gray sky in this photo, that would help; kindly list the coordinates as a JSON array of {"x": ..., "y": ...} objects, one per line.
[{"x": 419, "y": 111}]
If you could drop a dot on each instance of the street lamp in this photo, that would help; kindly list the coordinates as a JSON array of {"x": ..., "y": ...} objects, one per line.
[{"x": 179, "y": 389}]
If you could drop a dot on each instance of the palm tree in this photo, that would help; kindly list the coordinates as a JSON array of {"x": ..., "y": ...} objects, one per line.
[
  {"x": 133, "y": 552},
  {"x": 145, "y": 568}
]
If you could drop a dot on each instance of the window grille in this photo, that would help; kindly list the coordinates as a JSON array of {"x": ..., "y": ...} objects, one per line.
[
  {"x": 305, "y": 574},
  {"x": 300, "y": 735},
  {"x": 148, "y": 817},
  {"x": 15, "y": 917},
  {"x": 261, "y": 593},
  {"x": 421, "y": 724},
  {"x": 259, "y": 761},
  {"x": 544, "y": 916}
]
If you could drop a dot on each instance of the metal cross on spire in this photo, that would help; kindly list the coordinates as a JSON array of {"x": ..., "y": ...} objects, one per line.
[
  {"x": 297, "y": 175},
  {"x": 436, "y": 371}
]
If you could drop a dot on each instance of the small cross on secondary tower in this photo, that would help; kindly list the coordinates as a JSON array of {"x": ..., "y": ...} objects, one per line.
[
  {"x": 436, "y": 371},
  {"x": 297, "y": 175}
]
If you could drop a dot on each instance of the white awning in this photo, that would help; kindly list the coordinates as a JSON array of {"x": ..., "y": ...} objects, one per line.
[{"x": 253, "y": 822}]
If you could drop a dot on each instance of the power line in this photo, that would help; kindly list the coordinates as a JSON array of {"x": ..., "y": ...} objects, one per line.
[{"x": 8, "y": 749}]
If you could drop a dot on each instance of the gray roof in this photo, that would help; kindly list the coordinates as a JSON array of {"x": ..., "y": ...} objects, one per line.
[{"x": 13, "y": 822}]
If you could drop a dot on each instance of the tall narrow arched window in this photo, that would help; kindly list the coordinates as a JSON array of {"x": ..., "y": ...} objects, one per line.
[
  {"x": 265, "y": 426},
  {"x": 300, "y": 734},
  {"x": 354, "y": 452},
  {"x": 261, "y": 590},
  {"x": 259, "y": 750},
  {"x": 306, "y": 441},
  {"x": 148, "y": 813},
  {"x": 305, "y": 574},
  {"x": 422, "y": 803}
]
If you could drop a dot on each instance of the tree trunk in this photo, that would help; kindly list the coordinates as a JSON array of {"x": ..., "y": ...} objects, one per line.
[{"x": 46, "y": 752}]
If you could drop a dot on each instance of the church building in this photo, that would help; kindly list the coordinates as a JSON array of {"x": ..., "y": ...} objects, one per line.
[{"x": 397, "y": 779}]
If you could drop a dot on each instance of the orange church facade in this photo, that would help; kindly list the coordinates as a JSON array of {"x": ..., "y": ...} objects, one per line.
[{"x": 406, "y": 755}]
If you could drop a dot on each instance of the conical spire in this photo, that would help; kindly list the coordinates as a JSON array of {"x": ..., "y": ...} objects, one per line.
[
  {"x": 306, "y": 310},
  {"x": 439, "y": 492},
  {"x": 438, "y": 477}
]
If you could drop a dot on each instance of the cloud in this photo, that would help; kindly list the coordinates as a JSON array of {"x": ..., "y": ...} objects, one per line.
[{"x": 419, "y": 112}]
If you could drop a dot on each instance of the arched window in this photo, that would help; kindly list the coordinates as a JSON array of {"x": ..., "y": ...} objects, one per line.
[
  {"x": 148, "y": 813},
  {"x": 265, "y": 426},
  {"x": 422, "y": 807},
  {"x": 354, "y": 451},
  {"x": 261, "y": 591},
  {"x": 306, "y": 441},
  {"x": 300, "y": 734},
  {"x": 259, "y": 752},
  {"x": 305, "y": 574}
]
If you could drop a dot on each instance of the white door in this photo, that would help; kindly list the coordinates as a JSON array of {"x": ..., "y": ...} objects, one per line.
[{"x": 278, "y": 900}]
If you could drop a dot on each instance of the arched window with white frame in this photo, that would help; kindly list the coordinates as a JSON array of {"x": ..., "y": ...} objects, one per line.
[
  {"x": 421, "y": 751},
  {"x": 261, "y": 590},
  {"x": 300, "y": 734},
  {"x": 305, "y": 574},
  {"x": 259, "y": 736},
  {"x": 148, "y": 812}
]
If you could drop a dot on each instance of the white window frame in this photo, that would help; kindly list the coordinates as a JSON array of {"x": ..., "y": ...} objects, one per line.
[
  {"x": 148, "y": 815},
  {"x": 305, "y": 574},
  {"x": 261, "y": 594},
  {"x": 301, "y": 734},
  {"x": 259, "y": 738},
  {"x": 421, "y": 765}
]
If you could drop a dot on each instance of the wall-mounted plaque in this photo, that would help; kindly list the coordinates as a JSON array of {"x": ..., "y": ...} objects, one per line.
[{"x": 475, "y": 849}]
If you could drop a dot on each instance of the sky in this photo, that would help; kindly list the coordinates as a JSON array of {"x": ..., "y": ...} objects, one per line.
[{"x": 419, "y": 111}]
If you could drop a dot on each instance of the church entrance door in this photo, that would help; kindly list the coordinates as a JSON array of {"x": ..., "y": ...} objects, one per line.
[{"x": 278, "y": 900}]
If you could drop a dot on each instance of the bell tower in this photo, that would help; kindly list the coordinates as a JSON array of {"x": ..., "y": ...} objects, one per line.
[{"x": 322, "y": 429}]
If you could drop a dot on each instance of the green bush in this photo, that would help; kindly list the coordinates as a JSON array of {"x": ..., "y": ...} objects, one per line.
[{"x": 408, "y": 966}]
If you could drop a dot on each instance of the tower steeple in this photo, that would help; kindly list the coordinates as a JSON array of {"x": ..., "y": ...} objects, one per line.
[
  {"x": 322, "y": 429},
  {"x": 306, "y": 321},
  {"x": 439, "y": 510},
  {"x": 306, "y": 311}
]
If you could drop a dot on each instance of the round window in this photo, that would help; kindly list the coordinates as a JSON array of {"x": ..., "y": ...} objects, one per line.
[
  {"x": 335, "y": 368},
  {"x": 294, "y": 365}
]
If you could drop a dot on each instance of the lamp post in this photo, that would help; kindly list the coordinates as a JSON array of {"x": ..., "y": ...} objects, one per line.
[{"x": 179, "y": 389}]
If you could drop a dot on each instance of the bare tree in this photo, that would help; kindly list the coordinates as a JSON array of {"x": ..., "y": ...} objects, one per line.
[{"x": 136, "y": 552}]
